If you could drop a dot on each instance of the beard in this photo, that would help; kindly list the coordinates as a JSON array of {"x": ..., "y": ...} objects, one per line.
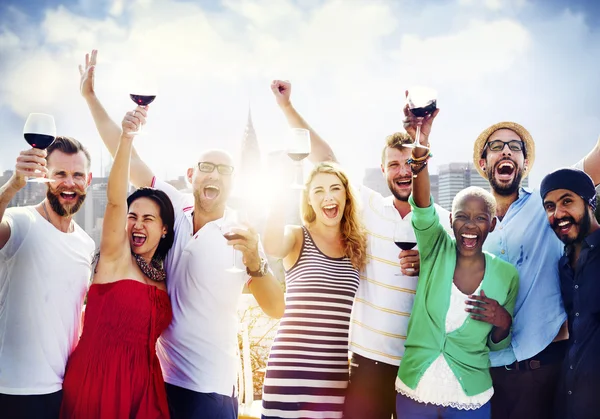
[
  {"x": 206, "y": 205},
  {"x": 503, "y": 189},
  {"x": 60, "y": 209},
  {"x": 583, "y": 227},
  {"x": 397, "y": 195}
]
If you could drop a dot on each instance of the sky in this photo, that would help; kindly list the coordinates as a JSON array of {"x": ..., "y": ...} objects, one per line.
[{"x": 530, "y": 61}]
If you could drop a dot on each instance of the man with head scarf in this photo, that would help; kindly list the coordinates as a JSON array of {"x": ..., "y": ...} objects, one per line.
[
  {"x": 525, "y": 374},
  {"x": 569, "y": 199}
]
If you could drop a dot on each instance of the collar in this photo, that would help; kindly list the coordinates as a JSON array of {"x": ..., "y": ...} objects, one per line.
[
  {"x": 189, "y": 214},
  {"x": 592, "y": 241},
  {"x": 526, "y": 190}
]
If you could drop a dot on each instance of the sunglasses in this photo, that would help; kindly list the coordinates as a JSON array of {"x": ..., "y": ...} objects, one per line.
[
  {"x": 208, "y": 167},
  {"x": 498, "y": 145}
]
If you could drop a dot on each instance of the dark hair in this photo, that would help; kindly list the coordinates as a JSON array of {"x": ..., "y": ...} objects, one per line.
[
  {"x": 166, "y": 214},
  {"x": 396, "y": 140},
  {"x": 69, "y": 146}
]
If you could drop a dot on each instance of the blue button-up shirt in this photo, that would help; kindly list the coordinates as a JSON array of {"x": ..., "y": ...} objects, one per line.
[
  {"x": 579, "y": 388},
  {"x": 525, "y": 239}
]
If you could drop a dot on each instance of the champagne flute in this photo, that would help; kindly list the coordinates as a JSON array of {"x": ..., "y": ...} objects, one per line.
[
  {"x": 422, "y": 102},
  {"x": 298, "y": 149},
  {"x": 232, "y": 219},
  {"x": 40, "y": 132},
  {"x": 404, "y": 238},
  {"x": 145, "y": 93}
]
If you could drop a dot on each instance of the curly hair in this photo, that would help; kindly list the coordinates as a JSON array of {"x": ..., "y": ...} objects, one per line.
[{"x": 353, "y": 233}]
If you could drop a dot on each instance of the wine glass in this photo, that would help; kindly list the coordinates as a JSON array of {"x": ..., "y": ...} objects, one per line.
[
  {"x": 39, "y": 131},
  {"x": 404, "y": 238},
  {"x": 232, "y": 219},
  {"x": 143, "y": 96},
  {"x": 422, "y": 101},
  {"x": 298, "y": 149}
]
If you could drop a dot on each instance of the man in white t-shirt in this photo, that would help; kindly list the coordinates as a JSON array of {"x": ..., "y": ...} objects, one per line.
[
  {"x": 198, "y": 352},
  {"x": 45, "y": 268},
  {"x": 387, "y": 288}
]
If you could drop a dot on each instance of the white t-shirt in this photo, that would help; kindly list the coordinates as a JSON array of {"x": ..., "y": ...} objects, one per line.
[
  {"x": 44, "y": 275},
  {"x": 199, "y": 350},
  {"x": 383, "y": 301}
]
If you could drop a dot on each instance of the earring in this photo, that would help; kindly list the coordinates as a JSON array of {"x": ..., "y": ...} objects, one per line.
[
  {"x": 163, "y": 236},
  {"x": 483, "y": 168}
]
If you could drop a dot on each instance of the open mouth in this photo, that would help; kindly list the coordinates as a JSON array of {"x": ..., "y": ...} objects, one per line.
[
  {"x": 68, "y": 196},
  {"x": 469, "y": 240},
  {"x": 563, "y": 227},
  {"x": 505, "y": 170},
  {"x": 403, "y": 183},
  {"x": 138, "y": 239},
  {"x": 330, "y": 211},
  {"x": 211, "y": 191}
]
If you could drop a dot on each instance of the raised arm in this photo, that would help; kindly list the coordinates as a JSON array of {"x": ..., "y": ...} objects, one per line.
[
  {"x": 591, "y": 163},
  {"x": 320, "y": 150},
  {"x": 421, "y": 191},
  {"x": 109, "y": 130},
  {"x": 114, "y": 244},
  {"x": 27, "y": 163}
]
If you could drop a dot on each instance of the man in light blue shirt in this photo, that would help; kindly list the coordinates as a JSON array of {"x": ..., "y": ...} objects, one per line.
[{"x": 526, "y": 373}]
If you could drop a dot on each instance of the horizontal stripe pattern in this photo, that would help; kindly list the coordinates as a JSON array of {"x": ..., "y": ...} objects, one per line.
[{"x": 307, "y": 372}]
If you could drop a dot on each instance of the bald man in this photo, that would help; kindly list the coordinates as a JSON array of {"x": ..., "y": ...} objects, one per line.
[{"x": 198, "y": 352}]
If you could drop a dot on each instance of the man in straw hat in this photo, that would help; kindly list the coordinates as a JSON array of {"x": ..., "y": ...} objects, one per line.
[
  {"x": 525, "y": 374},
  {"x": 569, "y": 200}
]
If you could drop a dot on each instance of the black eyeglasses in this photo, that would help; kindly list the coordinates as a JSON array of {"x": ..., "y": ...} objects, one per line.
[
  {"x": 208, "y": 167},
  {"x": 498, "y": 145}
]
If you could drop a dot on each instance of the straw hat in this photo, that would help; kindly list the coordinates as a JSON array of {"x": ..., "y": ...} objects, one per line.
[{"x": 525, "y": 136}]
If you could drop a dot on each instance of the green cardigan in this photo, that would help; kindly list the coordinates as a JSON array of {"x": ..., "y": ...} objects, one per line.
[{"x": 466, "y": 349}]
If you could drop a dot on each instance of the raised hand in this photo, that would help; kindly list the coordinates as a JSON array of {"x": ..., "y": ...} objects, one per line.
[
  {"x": 248, "y": 245},
  {"x": 488, "y": 310},
  {"x": 86, "y": 83},
  {"x": 133, "y": 120},
  {"x": 30, "y": 163},
  {"x": 282, "y": 90},
  {"x": 410, "y": 123}
]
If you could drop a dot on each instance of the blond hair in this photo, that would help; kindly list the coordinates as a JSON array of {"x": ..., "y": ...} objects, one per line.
[
  {"x": 396, "y": 140},
  {"x": 353, "y": 233}
]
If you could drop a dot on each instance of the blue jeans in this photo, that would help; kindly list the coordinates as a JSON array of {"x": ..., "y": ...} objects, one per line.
[
  {"x": 407, "y": 408},
  {"x": 188, "y": 404}
]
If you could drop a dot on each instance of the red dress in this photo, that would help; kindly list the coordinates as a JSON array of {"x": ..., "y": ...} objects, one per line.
[{"x": 114, "y": 372}]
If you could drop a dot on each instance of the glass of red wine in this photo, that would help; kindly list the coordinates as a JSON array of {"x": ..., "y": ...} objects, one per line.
[
  {"x": 422, "y": 102},
  {"x": 143, "y": 97},
  {"x": 298, "y": 149},
  {"x": 39, "y": 131},
  {"x": 233, "y": 219},
  {"x": 404, "y": 238}
]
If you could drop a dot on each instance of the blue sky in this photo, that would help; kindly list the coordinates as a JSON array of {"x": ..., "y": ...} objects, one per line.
[{"x": 529, "y": 61}]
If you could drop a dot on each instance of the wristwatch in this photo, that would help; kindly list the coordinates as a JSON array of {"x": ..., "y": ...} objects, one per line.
[{"x": 262, "y": 270}]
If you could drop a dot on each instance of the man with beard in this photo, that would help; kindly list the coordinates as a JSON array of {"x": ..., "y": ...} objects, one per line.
[
  {"x": 525, "y": 374},
  {"x": 198, "y": 352},
  {"x": 570, "y": 200},
  {"x": 45, "y": 267},
  {"x": 387, "y": 288}
]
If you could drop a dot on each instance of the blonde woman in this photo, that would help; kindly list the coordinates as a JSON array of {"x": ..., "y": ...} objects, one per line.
[{"x": 307, "y": 372}]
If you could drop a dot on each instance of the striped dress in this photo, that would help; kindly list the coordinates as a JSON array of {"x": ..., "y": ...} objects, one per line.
[{"x": 307, "y": 373}]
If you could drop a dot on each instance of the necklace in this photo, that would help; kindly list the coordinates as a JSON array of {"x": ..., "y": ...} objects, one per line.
[
  {"x": 71, "y": 227},
  {"x": 153, "y": 270}
]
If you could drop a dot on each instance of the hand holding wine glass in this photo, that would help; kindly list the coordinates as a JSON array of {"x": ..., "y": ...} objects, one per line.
[
  {"x": 420, "y": 111},
  {"x": 39, "y": 131},
  {"x": 30, "y": 163},
  {"x": 133, "y": 121},
  {"x": 144, "y": 94},
  {"x": 404, "y": 238},
  {"x": 235, "y": 232}
]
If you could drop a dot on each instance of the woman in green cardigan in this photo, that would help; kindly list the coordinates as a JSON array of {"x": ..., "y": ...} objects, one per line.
[{"x": 463, "y": 306}]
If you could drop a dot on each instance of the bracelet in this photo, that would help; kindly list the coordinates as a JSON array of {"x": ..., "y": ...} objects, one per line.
[
  {"x": 414, "y": 159},
  {"x": 415, "y": 172}
]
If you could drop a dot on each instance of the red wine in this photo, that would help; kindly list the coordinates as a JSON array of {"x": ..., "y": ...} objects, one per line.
[
  {"x": 424, "y": 111},
  {"x": 405, "y": 245},
  {"x": 233, "y": 236},
  {"x": 142, "y": 100},
  {"x": 297, "y": 156},
  {"x": 40, "y": 141}
]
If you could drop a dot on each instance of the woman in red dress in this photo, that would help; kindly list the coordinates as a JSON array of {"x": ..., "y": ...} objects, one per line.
[{"x": 114, "y": 372}]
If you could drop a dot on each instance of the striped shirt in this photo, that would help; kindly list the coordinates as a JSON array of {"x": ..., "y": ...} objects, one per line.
[
  {"x": 383, "y": 301},
  {"x": 307, "y": 373}
]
